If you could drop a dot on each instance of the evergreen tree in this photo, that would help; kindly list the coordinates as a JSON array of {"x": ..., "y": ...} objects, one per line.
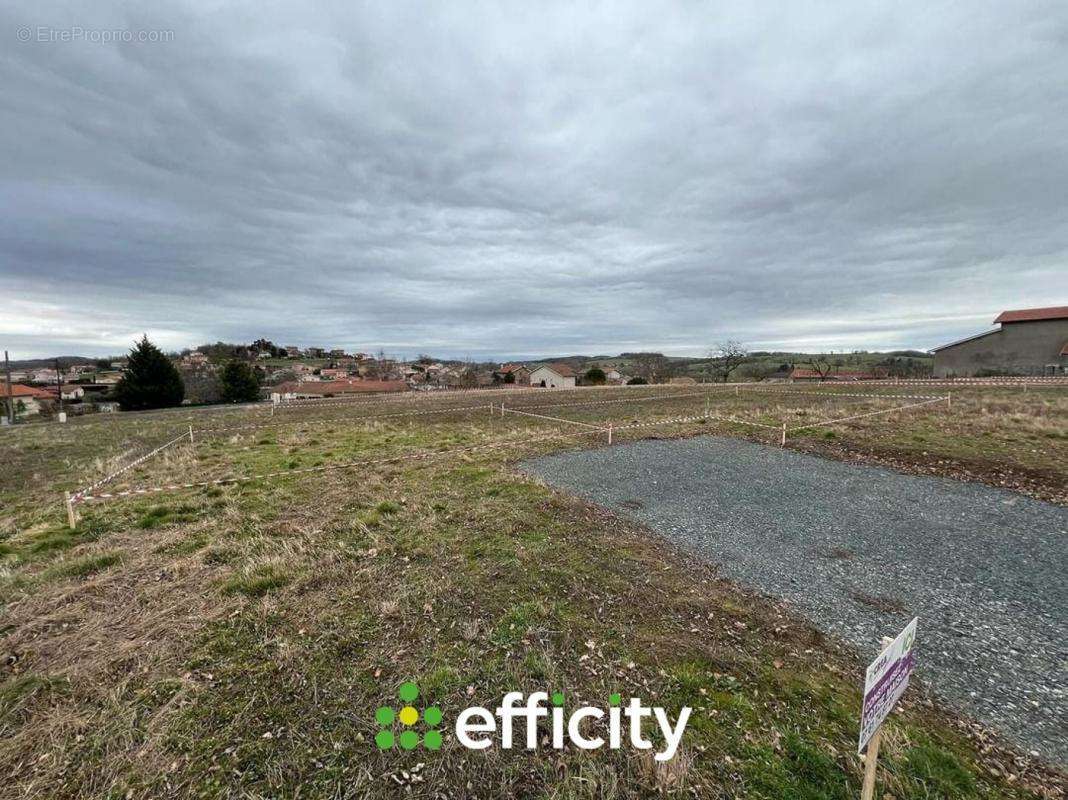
[
  {"x": 239, "y": 383},
  {"x": 595, "y": 376},
  {"x": 150, "y": 380}
]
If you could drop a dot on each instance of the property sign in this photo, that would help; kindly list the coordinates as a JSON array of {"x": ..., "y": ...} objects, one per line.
[{"x": 885, "y": 682}]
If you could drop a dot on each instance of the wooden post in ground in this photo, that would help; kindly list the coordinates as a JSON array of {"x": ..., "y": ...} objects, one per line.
[
  {"x": 782, "y": 441},
  {"x": 949, "y": 400},
  {"x": 610, "y": 433},
  {"x": 190, "y": 434},
  {"x": 71, "y": 519},
  {"x": 871, "y": 756}
]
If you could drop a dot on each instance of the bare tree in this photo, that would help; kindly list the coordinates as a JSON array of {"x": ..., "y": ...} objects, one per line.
[
  {"x": 728, "y": 356},
  {"x": 821, "y": 365},
  {"x": 654, "y": 367}
]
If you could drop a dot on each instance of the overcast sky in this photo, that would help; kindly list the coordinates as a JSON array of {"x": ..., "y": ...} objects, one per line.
[{"x": 468, "y": 180}]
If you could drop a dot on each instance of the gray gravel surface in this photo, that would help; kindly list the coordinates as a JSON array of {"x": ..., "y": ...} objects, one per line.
[{"x": 861, "y": 550}]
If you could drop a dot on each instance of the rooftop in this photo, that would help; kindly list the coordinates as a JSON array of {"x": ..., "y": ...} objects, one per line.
[
  {"x": 18, "y": 390},
  {"x": 1033, "y": 314}
]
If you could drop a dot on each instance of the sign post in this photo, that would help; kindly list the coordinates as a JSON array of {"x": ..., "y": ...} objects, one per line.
[{"x": 886, "y": 680}]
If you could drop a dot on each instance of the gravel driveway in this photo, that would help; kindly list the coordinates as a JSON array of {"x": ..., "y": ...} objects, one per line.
[{"x": 861, "y": 550}]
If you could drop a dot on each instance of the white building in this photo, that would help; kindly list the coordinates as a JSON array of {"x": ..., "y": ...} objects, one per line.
[{"x": 553, "y": 376}]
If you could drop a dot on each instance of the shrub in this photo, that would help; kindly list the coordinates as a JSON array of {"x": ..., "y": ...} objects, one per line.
[
  {"x": 239, "y": 383},
  {"x": 595, "y": 376},
  {"x": 150, "y": 380}
]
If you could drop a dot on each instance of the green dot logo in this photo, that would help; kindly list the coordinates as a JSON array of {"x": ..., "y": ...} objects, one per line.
[{"x": 406, "y": 718}]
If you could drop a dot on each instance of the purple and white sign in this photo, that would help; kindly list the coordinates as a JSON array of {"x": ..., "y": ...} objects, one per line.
[{"x": 885, "y": 682}]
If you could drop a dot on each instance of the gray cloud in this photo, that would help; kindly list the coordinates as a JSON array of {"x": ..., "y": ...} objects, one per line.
[{"x": 470, "y": 180}]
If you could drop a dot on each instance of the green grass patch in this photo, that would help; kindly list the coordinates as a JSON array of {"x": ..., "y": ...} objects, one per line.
[
  {"x": 18, "y": 692},
  {"x": 939, "y": 771},
  {"x": 258, "y": 581},
  {"x": 82, "y": 566},
  {"x": 158, "y": 516}
]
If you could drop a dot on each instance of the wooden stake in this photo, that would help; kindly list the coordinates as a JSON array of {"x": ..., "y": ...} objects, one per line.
[
  {"x": 610, "y": 433},
  {"x": 72, "y": 520},
  {"x": 782, "y": 442},
  {"x": 190, "y": 434},
  {"x": 871, "y": 756}
]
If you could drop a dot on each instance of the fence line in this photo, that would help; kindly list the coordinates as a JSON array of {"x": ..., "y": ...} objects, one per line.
[
  {"x": 415, "y": 396},
  {"x": 679, "y": 420},
  {"x": 399, "y": 397},
  {"x": 759, "y": 390},
  {"x": 87, "y": 495},
  {"x": 551, "y": 419},
  {"x": 338, "y": 420},
  {"x": 77, "y": 496},
  {"x": 327, "y": 467},
  {"x": 1005, "y": 380},
  {"x": 619, "y": 400},
  {"x": 868, "y": 414}
]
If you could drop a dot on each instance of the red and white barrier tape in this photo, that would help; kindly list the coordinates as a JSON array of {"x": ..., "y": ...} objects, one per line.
[
  {"x": 395, "y": 397},
  {"x": 340, "y": 420},
  {"x": 553, "y": 419},
  {"x": 326, "y": 467},
  {"x": 680, "y": 420},
  {"x": 868, "y": 414},
  {"x": 108, "y": 478},
  {"x": 618, "y": 400},
  {"x": 757, "y": 390}
]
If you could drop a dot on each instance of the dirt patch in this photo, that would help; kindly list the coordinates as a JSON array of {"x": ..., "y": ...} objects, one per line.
[{"x": 1045, "y": 485}]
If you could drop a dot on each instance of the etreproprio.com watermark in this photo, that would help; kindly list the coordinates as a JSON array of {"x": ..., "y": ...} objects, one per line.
[{"x": 76, "y": 33}]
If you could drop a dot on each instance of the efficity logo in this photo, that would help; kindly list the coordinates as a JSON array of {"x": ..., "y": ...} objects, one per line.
[{"x": 514, "y": 723}]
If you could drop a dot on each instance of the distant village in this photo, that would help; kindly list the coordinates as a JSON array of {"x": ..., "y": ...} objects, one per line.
[
  {"x": 1026, "y": 342},
  {"x": 293, "y": 373}
]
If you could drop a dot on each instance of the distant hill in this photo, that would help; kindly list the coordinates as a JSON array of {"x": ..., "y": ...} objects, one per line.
[
  {"x": 64, "y": 361},
  {"x": 760, "y": 364}
]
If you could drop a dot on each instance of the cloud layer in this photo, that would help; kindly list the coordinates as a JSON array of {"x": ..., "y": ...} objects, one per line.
[{"x": 474, "y": 180}]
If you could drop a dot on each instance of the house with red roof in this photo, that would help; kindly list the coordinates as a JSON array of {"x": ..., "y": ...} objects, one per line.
[
  {"x": 520, "y": 373},
  {"x": 26, "y": 400},
  {"x": 1029, "y": 341}
]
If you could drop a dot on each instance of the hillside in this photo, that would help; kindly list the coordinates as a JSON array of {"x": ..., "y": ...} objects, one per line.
[{"x": 760, "y": 364}]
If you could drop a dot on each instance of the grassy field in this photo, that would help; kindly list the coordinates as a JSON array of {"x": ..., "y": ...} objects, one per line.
[{"x": 236, "y": 640}]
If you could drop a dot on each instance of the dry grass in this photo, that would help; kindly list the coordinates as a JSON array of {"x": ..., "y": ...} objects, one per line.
[{"x": 235, "y": 641}]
